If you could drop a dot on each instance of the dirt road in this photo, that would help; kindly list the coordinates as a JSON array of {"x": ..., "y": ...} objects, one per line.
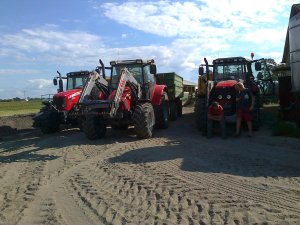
[{"x": 176, "y": 177}]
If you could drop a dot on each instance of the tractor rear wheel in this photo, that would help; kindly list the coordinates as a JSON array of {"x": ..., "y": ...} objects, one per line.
[
  {"x": 173, "y": 111},
  {"x": 144, "y": 120},
  {"x": 93, "y": 127},
  {"x": 201, "y": 117}
]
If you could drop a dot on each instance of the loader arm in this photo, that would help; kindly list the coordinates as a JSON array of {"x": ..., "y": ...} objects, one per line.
[
  {"x": 94, "y": 79},
  {"x": 125, "y": 78}
]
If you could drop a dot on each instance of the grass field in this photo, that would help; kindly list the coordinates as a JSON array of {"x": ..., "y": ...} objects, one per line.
[{"x": 19, "y": 107}]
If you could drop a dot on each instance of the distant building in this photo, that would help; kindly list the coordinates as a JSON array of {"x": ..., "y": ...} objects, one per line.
[{"x": 189, "y": 86}]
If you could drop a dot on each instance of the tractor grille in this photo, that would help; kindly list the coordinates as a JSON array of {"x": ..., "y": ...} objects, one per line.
[
  {"x": 221, "y": 95},
  {"x": 59, "y": 102}
]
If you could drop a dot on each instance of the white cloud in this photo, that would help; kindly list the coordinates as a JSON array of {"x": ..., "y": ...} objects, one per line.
[
  {"x": 196, "y": 19},
  {"x": 51, "y": 45},
  {"x": 40, "y": 83},
  {"x": 189, "y": 31}
]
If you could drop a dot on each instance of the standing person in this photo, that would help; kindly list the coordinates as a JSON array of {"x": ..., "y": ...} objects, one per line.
[
  {"x": 215, "y": 113},
  {"x": 244, "y": 106}
]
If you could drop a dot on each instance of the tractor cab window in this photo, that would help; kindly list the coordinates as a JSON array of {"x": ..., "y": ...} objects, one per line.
[
  {"x": 230, "y": 72},
  {"x": 75, "y": 82},
  {"x": 149, "y": 78},
  {"x": 135, "y": 70}
]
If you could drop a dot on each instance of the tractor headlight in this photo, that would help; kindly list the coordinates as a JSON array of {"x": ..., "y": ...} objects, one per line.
[
  {"x": 228, "y": 97},
  {"x": 220, "y": 97}
]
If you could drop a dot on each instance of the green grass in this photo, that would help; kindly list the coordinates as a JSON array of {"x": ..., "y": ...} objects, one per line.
[{"x": 19, "y": 107}]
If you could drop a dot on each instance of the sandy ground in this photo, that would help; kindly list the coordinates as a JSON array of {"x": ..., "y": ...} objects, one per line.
[
  {"x": 11, "y": 125},
  {"x": 176, "y": 177}
]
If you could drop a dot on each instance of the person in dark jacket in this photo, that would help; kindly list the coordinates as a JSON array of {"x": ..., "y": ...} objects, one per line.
[{"x": 244, "y": 106}]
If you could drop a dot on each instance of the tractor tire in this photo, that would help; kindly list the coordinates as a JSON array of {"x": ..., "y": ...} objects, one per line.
[
  {"x": 48, "y": 121},
  {"x": 93, "y": 128},
  {"x": 201, "y": 117},
  {"x": 173, "y": 111},
  {"x": 162, "y": 114},
  {"x": 144, "y": 119},
  {"x": 179, "y": 108}
]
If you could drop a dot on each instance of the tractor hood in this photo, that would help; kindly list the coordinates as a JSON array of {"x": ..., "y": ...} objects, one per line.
[
  {"x": 226, "y": 84},
  {"x": 69, "y": 93}
]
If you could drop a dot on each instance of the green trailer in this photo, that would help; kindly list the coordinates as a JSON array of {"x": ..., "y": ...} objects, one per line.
[{"x": 174, "y": 82}]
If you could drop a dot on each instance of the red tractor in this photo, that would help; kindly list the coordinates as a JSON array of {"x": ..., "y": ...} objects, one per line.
[
  {"x": 131, "y": 97},
  {"x": 59, "y": 110},
  {"x": 219, "y": 86}
]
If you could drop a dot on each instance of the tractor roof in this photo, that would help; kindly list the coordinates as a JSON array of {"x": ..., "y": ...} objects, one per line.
[
  {"x": 79, "y": 73},
  {"x": 132, "y": 61},
  {"x": 230, "y": 60}
]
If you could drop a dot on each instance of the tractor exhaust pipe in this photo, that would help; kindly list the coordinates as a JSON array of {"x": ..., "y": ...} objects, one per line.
[
  {"x": 102, "y": 68},
  {"x": 60, "y": 83}
]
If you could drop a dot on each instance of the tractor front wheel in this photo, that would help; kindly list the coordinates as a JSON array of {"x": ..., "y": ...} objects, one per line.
[
  {"x": 144, "y": 120},
  {"x": 93, "y": 127}
]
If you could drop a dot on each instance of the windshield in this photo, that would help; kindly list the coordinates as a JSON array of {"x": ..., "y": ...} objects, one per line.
[
  {"x": 136, "y": 71},
  {"x": 230, "y": 72},
  {"x": 75, "y": 82}
]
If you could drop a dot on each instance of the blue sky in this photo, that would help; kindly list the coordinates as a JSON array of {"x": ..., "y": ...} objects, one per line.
[{"x": 39, "y": 37}]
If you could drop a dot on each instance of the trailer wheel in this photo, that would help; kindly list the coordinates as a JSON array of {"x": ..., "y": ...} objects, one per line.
[
  {"x": 201, "y": 117},
  {"x": 93, "y": 127},
  {"x": 144, "y": 120},
  {"x": 179, "y": 108},
  {"x": 173, "y": 111},
  {"x": 162, "y": 113}
]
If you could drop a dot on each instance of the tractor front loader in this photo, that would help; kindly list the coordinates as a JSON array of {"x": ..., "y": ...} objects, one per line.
[{"x": 132, "y": 97}]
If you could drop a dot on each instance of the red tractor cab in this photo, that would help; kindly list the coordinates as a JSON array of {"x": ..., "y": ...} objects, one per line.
[
  {"x": 220, "y": 87},
  {"x": 60, "y": 109},
  {"x": 131, "y": 97}
]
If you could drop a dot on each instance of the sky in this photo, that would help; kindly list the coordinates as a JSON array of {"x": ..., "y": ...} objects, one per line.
[{"x": 39, "y": 37}]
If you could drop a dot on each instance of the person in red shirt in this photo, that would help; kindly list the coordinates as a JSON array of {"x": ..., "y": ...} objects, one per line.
[{"x": 215, "y": 114}]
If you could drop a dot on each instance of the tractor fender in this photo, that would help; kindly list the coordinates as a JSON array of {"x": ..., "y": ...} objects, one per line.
[{"x": 157, "y": 94}]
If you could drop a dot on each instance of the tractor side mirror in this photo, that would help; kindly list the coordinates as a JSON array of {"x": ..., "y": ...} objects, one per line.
[
  {"x": 201, "y": 70},
  {"x": 54, "y": 81},
  {"x": 257, "y": 66},
  {"x": 152, "y": 68}
]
